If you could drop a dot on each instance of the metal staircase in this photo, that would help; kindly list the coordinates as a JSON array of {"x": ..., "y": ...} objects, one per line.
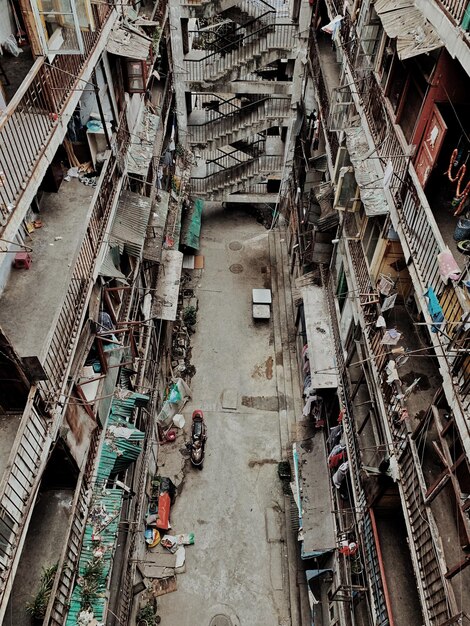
[
  {"x": 223, "y": 129},
  {"x": 258, "y": 49},
  {"x": 235, "y": 172},
  {"x": 241, "y": 12}
]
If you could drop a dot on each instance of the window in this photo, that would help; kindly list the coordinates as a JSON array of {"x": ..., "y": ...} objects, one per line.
[
  {"x": 371, "y": 35},
  {"x": 371, "y": 237},
  {"x": 136, "y": 76},
  {"x": 385, "y": 60},
  {"x": 59, "y": 24}
]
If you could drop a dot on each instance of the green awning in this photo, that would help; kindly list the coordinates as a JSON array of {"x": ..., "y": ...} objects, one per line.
[
  {"x": 191, "y": 228},
  {"x": 103, "y": 521},
  {"x": 122, "y": 445}
]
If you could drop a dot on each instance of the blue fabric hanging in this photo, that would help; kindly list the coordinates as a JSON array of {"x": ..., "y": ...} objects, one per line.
[{"x": 435, "y": 309}]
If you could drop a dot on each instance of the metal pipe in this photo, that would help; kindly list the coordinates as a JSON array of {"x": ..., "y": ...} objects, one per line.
[{"x": 381, "y": 568}]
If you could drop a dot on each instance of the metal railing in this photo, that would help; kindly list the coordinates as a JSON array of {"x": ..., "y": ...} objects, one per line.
[
  {"x": 18, "y": 487},
  {"x": 235, "y": 125},
  {"x": 237, "y": 176},
  {"x": 354, "y": 454},
  {"x": 454, "y": 8},
  {"x": 68, "y": 562},
  {"x": 422, "y": 536},
  {"x": 263, "y": 41},
  {"x": 28, "y": 122}
]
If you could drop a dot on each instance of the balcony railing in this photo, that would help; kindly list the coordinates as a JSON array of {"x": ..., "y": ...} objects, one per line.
[
  {"x": 414, "y": 215},
  {"x": 454, "y": 8},
  {"x": 35, "y": 434},
  {"x": 421, "y": 526},
  {"x": 354, "y": 457},
  {"x": 28, "y": 122}
]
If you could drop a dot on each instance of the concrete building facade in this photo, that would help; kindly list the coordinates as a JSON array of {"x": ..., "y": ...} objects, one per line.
[
  {"x": 345, "y": 123},
  {"x": 92, "y": 184},
  {"x": 375, "y": 214}
]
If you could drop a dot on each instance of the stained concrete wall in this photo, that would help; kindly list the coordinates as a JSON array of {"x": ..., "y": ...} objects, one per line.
[{"x": 6, "y": 21}]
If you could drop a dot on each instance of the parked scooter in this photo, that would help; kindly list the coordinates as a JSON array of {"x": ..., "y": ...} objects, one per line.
[{"x": 198, "y": 439}]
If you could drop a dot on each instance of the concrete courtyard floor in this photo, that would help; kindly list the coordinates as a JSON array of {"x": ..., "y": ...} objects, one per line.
[{"x": 237, "y": 569}]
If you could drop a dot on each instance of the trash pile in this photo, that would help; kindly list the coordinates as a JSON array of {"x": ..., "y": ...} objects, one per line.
[
  {"x": 84, "y": 173},
  {"x": 165, "y": 556}
]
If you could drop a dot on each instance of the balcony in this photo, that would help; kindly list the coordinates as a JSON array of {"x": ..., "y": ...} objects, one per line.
[
  {"x": 69, "y": 263},
  {"x": 37, "y": 113}
]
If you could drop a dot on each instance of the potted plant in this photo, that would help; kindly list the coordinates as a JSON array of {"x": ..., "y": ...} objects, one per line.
[
  {"x": 37, "y": 607},
  {"x": 147, "y": 616}
]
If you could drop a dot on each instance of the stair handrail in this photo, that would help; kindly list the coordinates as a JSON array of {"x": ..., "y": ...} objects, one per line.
[
  {"x": 218, "y": 37},
  {"x": 265, "y": 29},
  {"x": 272, "y": 158},
  {"x": 242, "y": 109},
  {"x": 231, "y": 154}
]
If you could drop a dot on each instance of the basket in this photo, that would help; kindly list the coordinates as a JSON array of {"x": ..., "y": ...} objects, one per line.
[{"x": 462, "y": 230}]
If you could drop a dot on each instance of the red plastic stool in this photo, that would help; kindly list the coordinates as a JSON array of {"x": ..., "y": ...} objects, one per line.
[{"x": 22, "y": 260}]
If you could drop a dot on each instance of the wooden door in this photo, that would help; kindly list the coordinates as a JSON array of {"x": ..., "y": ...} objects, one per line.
[{"x": 430, "y": 146}]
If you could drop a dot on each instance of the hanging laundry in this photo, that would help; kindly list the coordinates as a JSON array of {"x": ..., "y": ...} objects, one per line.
[
  {"x": 391, "y": 337},
  {"x": 308, "y": 405},
  {"x": 336, "y": 456},
  {"x": 385, "y": 285},
  {"x": 448, "y": 267},
  {"x": 340, "y": 474},
  {"x": 380, "y": 323},
  {"x": 435, "y": 309},
  {"x": 391, "y": 370},
  {"x": 389, "y": 302},
  {"x": 333, "y": 26},
  {"x": 335, "y": 435}
]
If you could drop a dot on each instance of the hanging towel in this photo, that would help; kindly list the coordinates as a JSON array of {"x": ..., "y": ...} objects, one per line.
[
  {"x": 435, "y": 309},
  {"x": 448, "y": 267}
]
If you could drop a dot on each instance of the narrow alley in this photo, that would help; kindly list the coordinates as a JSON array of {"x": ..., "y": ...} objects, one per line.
[{"x": 235, "y": 506}]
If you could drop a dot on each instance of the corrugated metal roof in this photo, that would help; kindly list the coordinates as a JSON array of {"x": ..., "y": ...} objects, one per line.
[
  {"x": 402, "y": 20},
  {"x": 109, "y": 502},
  {"x": 102, "y": 523},
  {"x": 155, "y": 229},
  {"x": 108, "y": 267},
  {"x": 124, "y": 441},
  {"x": 191, "y": 228},
  {"x": 142, "y": 141},
  {"x": 130, "y": 223},
  {"x": 129, "y": 41},
  {"x": 367, "y": 177}
]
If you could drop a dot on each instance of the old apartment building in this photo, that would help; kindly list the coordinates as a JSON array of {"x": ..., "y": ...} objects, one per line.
[
  {"x": 378, "y": 226},
  {"x": 346, "y": 123},
  {"x": 88, "y": 159}
]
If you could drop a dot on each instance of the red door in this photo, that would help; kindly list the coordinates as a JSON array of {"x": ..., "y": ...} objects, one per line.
[{"x": 430, "y": 146}]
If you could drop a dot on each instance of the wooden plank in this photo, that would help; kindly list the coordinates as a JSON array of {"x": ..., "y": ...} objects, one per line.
[{"x": 458, "y": 568}]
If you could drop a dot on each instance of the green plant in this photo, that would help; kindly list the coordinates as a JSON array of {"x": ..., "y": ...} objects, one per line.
[
  {"x": 38, "y": 606},
  {"x": 156, "y": 38},
  {"x": 90, "y": 581},
  {"x": 147, "y": 614},
  {"x": 190, "y": 315}
]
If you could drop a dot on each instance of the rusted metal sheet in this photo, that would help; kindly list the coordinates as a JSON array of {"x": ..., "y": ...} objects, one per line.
[
  {"x": 130, "y": 42},
  {"x": 131, "y": 221}
]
